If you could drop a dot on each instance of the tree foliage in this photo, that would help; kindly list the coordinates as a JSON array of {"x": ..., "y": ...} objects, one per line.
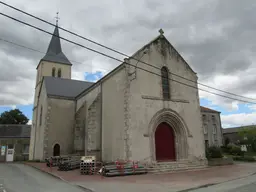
[
  {"x": 248, "y": 135},
  {"x": 14, "y": 116}
]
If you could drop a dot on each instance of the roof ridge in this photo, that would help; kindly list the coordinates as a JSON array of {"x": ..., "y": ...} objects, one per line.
[{"x": 68, "y": 79}]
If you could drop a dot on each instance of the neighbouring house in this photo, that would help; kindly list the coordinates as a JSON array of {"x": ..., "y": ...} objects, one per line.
[
  {"x": 129, "y": 114},
  {"x": 212, "y": 127},
  {"x": 15, "y": 137},
  {"x": 231, "y": 134}
]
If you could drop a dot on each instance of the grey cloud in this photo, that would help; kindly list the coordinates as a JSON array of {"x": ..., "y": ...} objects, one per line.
[{"x": 126, "y": 26}]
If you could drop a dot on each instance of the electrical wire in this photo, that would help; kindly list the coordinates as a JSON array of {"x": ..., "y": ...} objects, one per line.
[
  {"x": 35, "y": 50},
  {"x": 111, "y": 57},
  {"x": 123, "y": 54}
]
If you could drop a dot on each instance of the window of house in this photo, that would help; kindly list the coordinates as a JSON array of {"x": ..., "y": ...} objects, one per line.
[
  {"x": 214, "y": 129},
  {"x": 40, "y": 118},
  {"x": 59, "y": 72},
  {"x": 213, "y": 119},
  {"x": 205, "y": 128},
  {"x": 25, "y": 148},
  {"x": 165, "y": 83},
  {"x": 204, "y": 118},
  {"x": 53, "y": 71}
]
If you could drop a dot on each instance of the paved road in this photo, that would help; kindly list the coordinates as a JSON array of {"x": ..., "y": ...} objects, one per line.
[
  {"x": 247, "y": 184},
  {"x": 22, "y": 178}
]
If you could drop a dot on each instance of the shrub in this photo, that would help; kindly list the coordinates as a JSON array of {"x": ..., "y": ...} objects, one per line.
[
  {"x": 227, "y": 141},
  {"x": 236, "y": 150},
  {"x": 225, "y": 149},
  {"x": 214, "y": 152},
  {"x": 244, "y": 158}
]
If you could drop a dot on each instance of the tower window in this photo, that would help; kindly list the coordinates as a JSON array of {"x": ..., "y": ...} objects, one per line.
[
  {"x": 53, "y": 72},
  {"x": 59, "y": 72},
  {"x": 165, "y": 83}
]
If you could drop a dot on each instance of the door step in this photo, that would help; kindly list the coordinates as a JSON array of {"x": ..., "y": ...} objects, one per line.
[{"x": 178, "y": 166}]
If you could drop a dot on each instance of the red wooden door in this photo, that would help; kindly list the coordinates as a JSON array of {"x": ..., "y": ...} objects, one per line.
[{"x": 164, "y": 143}]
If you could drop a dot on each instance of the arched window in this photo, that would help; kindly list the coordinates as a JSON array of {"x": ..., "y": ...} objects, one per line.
[
  {"x": 165, "y": 83},
  {"x": 59, "y": 72},
  {"x": 53, "y": 71}
]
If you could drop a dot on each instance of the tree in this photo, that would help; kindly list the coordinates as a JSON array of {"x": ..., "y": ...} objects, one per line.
[
  {"x": 14, "y": 116},
  {"x": 248, "y": 136}
]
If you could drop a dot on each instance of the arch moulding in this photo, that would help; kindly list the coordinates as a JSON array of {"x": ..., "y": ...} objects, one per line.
[{"x": 179, "y": 127}]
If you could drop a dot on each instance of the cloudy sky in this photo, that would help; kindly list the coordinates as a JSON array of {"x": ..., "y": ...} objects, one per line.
[{"x": 216, "y": 37}]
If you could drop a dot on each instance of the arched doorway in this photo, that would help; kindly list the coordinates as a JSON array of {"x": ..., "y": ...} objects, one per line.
[
  {"x": 56, "y": 150},
  {"x": 165, "y": 143}
]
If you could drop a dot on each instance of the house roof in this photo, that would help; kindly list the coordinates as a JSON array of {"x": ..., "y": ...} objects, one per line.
[
  {"x": 235, "y": 129},
  {"x": 54, "y": 51},
  {"x": 15, "y": 131},
  {"x": 65, "y": 87},
  {"x": 205, "y": 109}
]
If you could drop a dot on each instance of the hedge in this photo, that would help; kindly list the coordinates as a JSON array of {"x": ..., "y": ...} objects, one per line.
[{"x": 244, "y": 158}]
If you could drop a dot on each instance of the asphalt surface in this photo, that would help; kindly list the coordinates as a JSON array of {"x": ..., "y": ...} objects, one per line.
[
  {"x": 246, "y": 184},
  {"x": 22, "y": 178}
]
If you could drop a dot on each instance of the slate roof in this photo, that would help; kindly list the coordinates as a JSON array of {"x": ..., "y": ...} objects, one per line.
[
  {"x": 208, "y": 110},
  {"x": 65, "y": 87},
  {"x": 54, "y": 51},
  {"x": 235, "y": 129},
  {"x": 15, "y": 131}
]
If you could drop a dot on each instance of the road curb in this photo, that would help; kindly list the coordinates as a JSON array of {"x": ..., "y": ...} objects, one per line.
[
  {"x": 211, "y": 184},
  {"x": 60, "y": 178}
]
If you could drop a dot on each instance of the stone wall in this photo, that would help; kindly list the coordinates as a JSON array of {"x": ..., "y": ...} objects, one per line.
[
  {"x": 93, "y": 128},
  {"x": 113, "y": 101},
  {"x": 37, "y": 139},
  {"x": 18, "y": 144},
  {"x": 79, "y": 130},
  {"x": 210, "y": 120},
  {"x": 59, "y": 128}
]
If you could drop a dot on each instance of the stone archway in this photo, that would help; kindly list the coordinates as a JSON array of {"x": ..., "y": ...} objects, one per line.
[
  {"x": 56, "y": 150},
  {"x": 180, "y": 132},
  {"x": 165, "y": 143}
]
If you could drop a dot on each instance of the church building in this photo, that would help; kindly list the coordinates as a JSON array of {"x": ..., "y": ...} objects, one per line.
[{"x": 136, "y": 112}]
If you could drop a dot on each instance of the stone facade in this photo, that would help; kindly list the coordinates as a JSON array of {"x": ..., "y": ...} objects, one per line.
[
  {"x": 147, "y": 108},
  {"x": 213, "y": 135},
  {"x": 60, "y": 126},
  {"x": 93, "y": 129},
  {"x": 79, "y": 131}
]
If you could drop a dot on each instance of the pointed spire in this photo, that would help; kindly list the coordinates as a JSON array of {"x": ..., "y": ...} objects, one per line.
[
  {"x": 55, "y": 46},
  {"x": 54, "y": 51}
]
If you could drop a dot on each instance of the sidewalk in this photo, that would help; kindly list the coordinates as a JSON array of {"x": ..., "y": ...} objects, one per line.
[{"x": 170, "y": 182}]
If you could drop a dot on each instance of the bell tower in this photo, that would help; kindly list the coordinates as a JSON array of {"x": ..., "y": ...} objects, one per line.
[{"x": 54, "y": 64}]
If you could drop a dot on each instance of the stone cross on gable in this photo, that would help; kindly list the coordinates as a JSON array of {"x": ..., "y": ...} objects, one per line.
[{"x": 161, "y": 31}]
